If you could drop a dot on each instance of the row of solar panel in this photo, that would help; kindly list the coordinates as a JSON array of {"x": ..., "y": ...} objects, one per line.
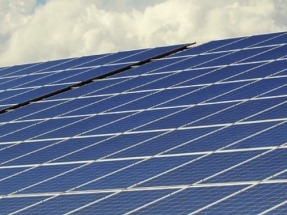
[
  {"x": 95, "y": 60},
  {"x": 59, "y": 77},
  {"x": 137, "y": 55},
  {"x": 189, "y": 78},
  {"x": 260, "y": 147},
  {"x": 71, "y": 76},
  {"x": 134, "y": 103},
  {"x": 195, "y": 193},
  {"x": 66, "y": 76},
  {"x": 207, "y": 75},
  {"x": 32, "y": 87},
  {"x": 211, "y": 60},
  {"x": 198, "y": 115},
  {"x": 224, "y": 167},
  {"x": 35, "y": 74},
  {"x": 236, "y": 44},
  {"x": 192, "y": 199},
  {"x": 145, "y": 144}
]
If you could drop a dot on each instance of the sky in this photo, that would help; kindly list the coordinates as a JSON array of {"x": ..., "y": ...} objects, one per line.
[{"x": 42, "y": 30}]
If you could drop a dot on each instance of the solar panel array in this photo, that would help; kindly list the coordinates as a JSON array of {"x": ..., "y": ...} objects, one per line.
[{"x": 170, "y": 130}]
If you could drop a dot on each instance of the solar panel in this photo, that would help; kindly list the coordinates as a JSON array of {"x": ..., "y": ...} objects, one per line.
[
  {"x": 171, "y": 130},
  {"x": 37, "y": 80}
]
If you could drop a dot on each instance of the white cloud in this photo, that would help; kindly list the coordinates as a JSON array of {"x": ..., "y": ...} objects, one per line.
[{"x": 65, "y": 28}]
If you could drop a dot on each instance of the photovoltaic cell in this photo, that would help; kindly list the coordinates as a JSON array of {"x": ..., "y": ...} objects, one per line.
[
  {"x": 251, "y": 41},
  {"x": 276, "y": 40},
  {"x": 106, "y": 146},
  {"x": 13, "y": 69},
  {"x": 262, "y": 70},
  {"x": 183, "y": 175},
  {"x": 37, "y": 87},
  {"x": 74, "y": 62},
  {"x": 256, "y": 169},
  {"x": 218, "y": 75},
  {"x": 180, "y": 129},
  {"x": 207, "y": 47},
  {"x": 264, "y": 195},
  {"x": 236, "y": 57},
  {"x": 232, "y": 137},
  {"x": 30, "y": 177},
  {"x": 282, "y": 175},
  {"x": 191, "y": 200},
  {"x": 194, "y": 61},
  {"x": 6, "y": 173},
  {"x": 130, "y": 200},
  {"x": 18, "y": 150},
  {"x": 166, "y": 141},
  {"x": 268, "y": 137},
  {"x": 280, "y": 208},
  {"x": 10, "y": 205},
  {"x": 58, "y": 205},
  {"x": 275, "y": 53},
  {"x": 148, "y": 68},
  {"x": 140, "y": 171}
]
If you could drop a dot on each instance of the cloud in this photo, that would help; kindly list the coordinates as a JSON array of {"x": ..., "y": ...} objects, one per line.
[{"x": 32, "y": 32}]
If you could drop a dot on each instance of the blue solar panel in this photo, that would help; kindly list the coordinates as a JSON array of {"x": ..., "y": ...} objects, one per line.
[
  {"x": 10, "y": 205},
  {"x": 168, "y": 141},
  {"x": 280, "y": 208},
  {"x": 171, "y": 130},
  {"x": 282, "y": 39},
  {"x": 151, "y": 67},
  {"x": 75, "y": 62},
  {"x": 269, "y": 136},
  {"x": 236, "y": 57},
  {"x": 251, "y": 41},
  {"x": 216, "y": 162},
  {"x": 131, "y": 200},
  {"x": 236, "y": 136},
  {"x": 13, "y": 69},
  {"x": 191, "y": 200},
  {"x": 265, "y": 196},
  {"x": 274, "y": 53},
  {"x": 28, "y": 79},
  {"x": 264, "y": 69},
  {"x": 194, "y": 61},
  {"x": 283, "y": 175},
  {"x": 112, "y": 58},
  {"x": 76, "y": 201},
  {"x": 207, "y": 47},
  {"x": 256, "y": 169}
]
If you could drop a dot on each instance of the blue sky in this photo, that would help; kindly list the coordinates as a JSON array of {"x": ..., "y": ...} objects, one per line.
[{"x": 41, "y": 30}]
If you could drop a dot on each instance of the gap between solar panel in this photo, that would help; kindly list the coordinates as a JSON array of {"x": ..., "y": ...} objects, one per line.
[{"x": 178, "y": 48}]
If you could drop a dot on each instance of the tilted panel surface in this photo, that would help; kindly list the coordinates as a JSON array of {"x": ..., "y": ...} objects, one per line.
[
  {"x": 199, "y": 131},
  {"x": 19, "y": 84}
]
